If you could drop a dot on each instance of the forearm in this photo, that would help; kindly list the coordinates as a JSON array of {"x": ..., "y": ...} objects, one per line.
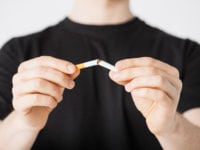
[
  {"x": 16, "y": 135},
  {"x": 185, "y": 136}
]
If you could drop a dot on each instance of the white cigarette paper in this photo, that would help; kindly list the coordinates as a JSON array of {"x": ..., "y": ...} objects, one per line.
[
  {"x": 95, "y": 63},
  {"x": 106, "y": 65}
]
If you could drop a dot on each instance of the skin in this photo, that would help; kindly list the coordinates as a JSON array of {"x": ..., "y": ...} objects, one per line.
[
  {"x": 100, "y": 12},
  {"x": 38, "y": 87},
  {"x": 46, "y": 77},
  {"x": 155, "y": 88}
]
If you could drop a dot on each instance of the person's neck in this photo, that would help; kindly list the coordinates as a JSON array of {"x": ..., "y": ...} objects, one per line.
[{"x": 101, "y": 12}]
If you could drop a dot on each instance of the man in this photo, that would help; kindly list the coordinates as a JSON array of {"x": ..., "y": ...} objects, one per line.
[{"x": 153, "y": 103}]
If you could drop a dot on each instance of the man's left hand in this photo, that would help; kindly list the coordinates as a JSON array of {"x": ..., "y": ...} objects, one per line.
[{"x": 155, "y": 88}]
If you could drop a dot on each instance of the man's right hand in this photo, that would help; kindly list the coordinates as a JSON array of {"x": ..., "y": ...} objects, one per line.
[{"x": 38, "y": 88}]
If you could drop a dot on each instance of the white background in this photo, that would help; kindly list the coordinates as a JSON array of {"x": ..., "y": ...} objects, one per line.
[{"x": 21, "y": 17}]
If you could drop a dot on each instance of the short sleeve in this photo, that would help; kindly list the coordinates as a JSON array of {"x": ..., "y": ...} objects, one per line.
[
  {"x": 190, "y": 96},
  {"x": 8, "y": 67}
]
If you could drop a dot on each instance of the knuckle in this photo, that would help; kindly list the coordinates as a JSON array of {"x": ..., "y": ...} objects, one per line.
[
  {"x": 59, "y": 93},
  {"x": 146, "y": 92},
  {"x": 51, "y": 102},
  {"x": 57, "y": 97},
  {"x": 160, "y": 80},
  {"x": 37, "y": 83},
  {"x": 62, "y": 78},
  {"x": 124, "y": 62},
  {"x": 14, "y": 79},
  {"x": 61, "y": 90},
  {"x": 60, "y": 98},
  {"x": 21, "y": 66},
  {"x": 175, "y": 71},
  {"x": 161, "y": 95},
  {"x": 127, "y": 73},
  {"x": 152, "y": 70},
  {"x": 41, "y": 71},
  {"x": 16, "y": 104},
  {"x": 36, "y": 97},
  {"x": 136, "y": 82},
  {"x": 61, "y": 82},
  {"x": 56, "y": 92},
  {"x": 149, "y": 61},
  {"x": 42, "y": 58},
  {"x": 14, "y": 90},
  {"x": 66, "y": 64},
  {"x": 180, "y": 84}
]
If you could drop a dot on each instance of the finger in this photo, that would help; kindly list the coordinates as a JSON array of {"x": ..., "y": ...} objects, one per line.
[
  {"x": 151, "y": 94},
  {"x": 156, "y": 82},
  {"x": 32, "y": 100},
  {"x": 39, "y": 86},
  {"x": 120, "y": 82},
  {"x": 75, "y": 75},
  {"x": 146, "y": 99},
  {"x": 46, "y": 73},
  {"x": 48, "y": 61},
  {"x": 129, "y": 74},
  {"x": 146, "y": 62}
]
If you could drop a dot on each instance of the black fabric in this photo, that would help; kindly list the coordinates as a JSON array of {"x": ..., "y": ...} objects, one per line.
[{"x": 98, "y": 114}]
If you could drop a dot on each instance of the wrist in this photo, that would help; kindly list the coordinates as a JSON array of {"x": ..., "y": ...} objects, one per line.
[
  {"x": 171, "y": 127},
  {"x": 24, "y": 123},
  {"x": 178, "y": 137},
  {"x": 16, "y": 134}
]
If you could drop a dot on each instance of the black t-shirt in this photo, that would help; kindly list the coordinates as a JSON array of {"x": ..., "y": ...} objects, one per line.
[{"x": 98, "y": 114}]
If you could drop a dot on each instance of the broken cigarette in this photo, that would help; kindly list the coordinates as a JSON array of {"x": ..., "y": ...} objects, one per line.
[{"x": 96, "y": 62}]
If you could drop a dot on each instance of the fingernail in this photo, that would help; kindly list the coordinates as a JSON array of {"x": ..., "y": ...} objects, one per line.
[{"x": 71, "y": 68}]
